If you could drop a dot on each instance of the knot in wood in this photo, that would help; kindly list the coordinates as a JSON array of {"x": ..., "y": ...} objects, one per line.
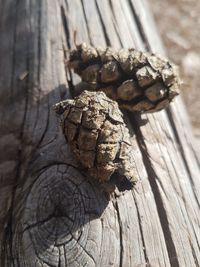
[{"x": 55, "y": 219}]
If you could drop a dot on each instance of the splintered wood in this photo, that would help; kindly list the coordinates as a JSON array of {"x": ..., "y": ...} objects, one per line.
[
  {"x": 138, "y": 81},
  {"x": 94, "y": 128}
]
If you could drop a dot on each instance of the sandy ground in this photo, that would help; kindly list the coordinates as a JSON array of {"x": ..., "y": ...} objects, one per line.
[{"x": 178, "y": 22}]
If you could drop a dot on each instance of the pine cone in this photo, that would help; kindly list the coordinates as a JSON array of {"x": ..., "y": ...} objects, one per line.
[
  {"x": 94, "y": 128},
  {"x": 139, "y": 81}
]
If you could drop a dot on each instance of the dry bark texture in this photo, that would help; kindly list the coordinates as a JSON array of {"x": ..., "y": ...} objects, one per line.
[
  {"x": 51, "y": 214},
  {"x": 139, "y": 81}
]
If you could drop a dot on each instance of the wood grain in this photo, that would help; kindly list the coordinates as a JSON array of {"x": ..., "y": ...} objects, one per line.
[{"x": 51, "y": 215}]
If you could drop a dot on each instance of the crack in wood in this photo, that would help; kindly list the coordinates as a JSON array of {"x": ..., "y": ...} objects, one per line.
[
  {"x": 86, "y": 21},
  {"x": 194, "y": 255},
  {"x": 106, "y": 36},
  {"x": 65, "y": 27},
  {"x": 182, "y": 153},
  {"x": 139, "y": 26},
  {"x": 116, "y": 206},
  {"x": 173, "y": 257},
  {"x": 8, "y": 233},
  {"x": 115, "y": 23},
  {"x": 141, "y": 232},
  {"x": 39, "y": 42}
]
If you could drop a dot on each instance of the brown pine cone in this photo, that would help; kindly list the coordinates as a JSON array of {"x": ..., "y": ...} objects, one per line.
[
  {"x": 94, "y": 128},
  {"x": 139, "y": 81}
]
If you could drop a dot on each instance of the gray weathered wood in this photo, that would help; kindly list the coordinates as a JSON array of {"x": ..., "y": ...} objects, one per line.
[{"x": 50, "y": 214}]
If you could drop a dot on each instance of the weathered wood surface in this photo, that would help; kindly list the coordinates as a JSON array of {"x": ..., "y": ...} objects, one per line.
[{"x": 50, "y": 214}]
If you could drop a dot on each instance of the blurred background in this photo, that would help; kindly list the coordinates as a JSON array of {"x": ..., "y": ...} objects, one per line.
[{"x": 178, "y": 22}]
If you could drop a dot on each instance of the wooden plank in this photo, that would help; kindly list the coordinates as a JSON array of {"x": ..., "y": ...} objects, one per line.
[{"x": 51, "y": 215}]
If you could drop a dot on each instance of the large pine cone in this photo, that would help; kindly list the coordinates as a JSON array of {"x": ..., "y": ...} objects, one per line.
[
  {"x": 139, "y": 81},
  {"x": 94, "y": 128}
]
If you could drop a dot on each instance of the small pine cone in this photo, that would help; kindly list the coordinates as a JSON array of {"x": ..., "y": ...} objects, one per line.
[
  {"x": 139, "y": 81},
  {"x": 94, "y": 128}
]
